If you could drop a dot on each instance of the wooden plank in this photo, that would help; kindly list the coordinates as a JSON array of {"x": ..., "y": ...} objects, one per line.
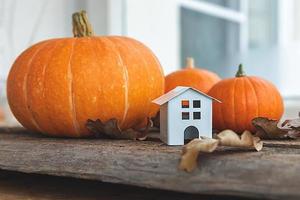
[
  {"x": 283, "y": 143},
  {"x": 18, "y": 186},
  {"x": 272, "y": 173}
]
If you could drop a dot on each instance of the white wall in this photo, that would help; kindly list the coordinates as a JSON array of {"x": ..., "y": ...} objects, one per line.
[
  {"x": 26, "y": 22},
  {"x": 23, "y": 23},
  {"x": 155, "y": 23},
  {"x": 289, "y": 47}
]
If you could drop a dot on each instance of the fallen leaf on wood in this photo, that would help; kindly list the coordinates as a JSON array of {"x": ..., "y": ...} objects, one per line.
[
  {"x": 231, "y": 139},
  {"x": 191, "y": 151},
  {"x": 111, "y": 129},
  {"x": 291, "y": 124},
  {"x": 228, "y": 138},
  {"x": 267, "y": 128},
  {"x": 272, "y": 129}
]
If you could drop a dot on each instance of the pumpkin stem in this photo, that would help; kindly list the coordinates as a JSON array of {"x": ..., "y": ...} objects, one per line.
[
  {"x": 240, "y": 72},
  {"x": 81, "y": 25},
  {"x": 190, "y": 62}
]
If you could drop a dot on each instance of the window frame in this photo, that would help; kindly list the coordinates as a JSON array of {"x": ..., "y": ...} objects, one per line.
[
  {"x": 214, "y": 10},
  {"x": 197, "y": 113},
  {"x": 185, "y": 113},
  {"x": 194, "y": 101}
]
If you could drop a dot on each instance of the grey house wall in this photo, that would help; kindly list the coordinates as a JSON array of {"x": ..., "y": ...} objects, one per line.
[{"x": 176, "y": 126}]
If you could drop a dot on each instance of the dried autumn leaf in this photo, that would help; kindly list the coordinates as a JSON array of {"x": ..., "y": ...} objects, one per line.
[
  {"x": 228, "y": 138},
  {"x": 291, "y": 124},
  {"x": 111, "y": 129},
  {"x": 272, "y": 129},
  {"x": 191, "y": 151},
  {"x": 267, "y": 128},
  {"x": 231, "y": 139}
]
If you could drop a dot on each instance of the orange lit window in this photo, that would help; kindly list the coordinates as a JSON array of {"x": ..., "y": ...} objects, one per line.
[{"x": 185, "y": 104}]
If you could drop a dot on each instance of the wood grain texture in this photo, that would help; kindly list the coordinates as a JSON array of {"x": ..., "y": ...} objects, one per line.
[
  {"x": 20, "y": 186},
  {"x": 272, "y": 173}
]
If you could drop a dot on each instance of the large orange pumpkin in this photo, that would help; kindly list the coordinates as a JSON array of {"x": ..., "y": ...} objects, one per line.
[
  {"x": 56, "y": 85},
  {"x": 244, "y": 98},
  {"x": 190, "y": 76}
]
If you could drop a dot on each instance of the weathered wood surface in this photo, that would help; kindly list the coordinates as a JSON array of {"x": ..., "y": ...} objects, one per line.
[
  {"x": 20, "y": 186},
  {"x": 273, "y": 173}
]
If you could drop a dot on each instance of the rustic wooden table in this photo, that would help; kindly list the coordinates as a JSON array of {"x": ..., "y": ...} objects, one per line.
[
  {"x": 273, "y": 173},
  {"x": 20, "y": 186}
]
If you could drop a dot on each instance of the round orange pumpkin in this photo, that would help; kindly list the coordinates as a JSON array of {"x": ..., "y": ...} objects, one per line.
[
  {"x": 55, "y": 86},
  {"x": 244, "y": 98},
  {"x": 190, "y": 76}
]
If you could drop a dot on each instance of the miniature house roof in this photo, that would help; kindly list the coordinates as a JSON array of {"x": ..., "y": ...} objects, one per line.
[{"x": 176, "y": 92}]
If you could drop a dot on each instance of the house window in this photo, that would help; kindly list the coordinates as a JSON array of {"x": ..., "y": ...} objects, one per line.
[
  {"x": 196, "y": 104},
  {"x": 185, "y": 115},
  {"x": 197, "y": 115},
  {"x": 185, "y": 104}
]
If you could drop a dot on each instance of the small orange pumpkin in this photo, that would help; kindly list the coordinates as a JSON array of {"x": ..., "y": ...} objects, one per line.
[
  {"x": 55, "y": 86},
  {"x": 244, "y": 98},
  {"x": 190, "y": 76}
]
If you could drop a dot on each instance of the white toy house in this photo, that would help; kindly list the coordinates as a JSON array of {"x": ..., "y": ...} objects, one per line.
[{"x": 185, "y": 113}]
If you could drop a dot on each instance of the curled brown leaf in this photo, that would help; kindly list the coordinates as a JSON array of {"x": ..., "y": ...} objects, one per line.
[
  {"x": 247, "y": 140},
  {"x": 191, "y": 151},
  {"x": 111, "y": 129},
  {"x": 272, "y": 129},
  {"x": 291, "y": 124},
  {"x": 267, "y": 128}
]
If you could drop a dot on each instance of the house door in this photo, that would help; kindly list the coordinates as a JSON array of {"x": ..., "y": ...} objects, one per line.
[{"x": 191, "y": 132}]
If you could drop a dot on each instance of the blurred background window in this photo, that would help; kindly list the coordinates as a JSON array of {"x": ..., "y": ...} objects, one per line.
[
  {"x": 264, "y": 35},
  {"x": 224, "y": 33}
]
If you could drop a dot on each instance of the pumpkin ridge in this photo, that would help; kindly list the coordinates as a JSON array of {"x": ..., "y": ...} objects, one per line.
[
  {"x": 97, "y": 41},
  {"x": 221, "y": 109},
  {"x": 246, "y": 99},
  {"x": 95, "y": 50},
  {"x": 75, "y": 123},
  {"x": 43, "y": 77},
  {"x": 234, "y": 105},
  {"x": 232, "y": 87},
  {"x": 266, "y": 91},
  {"x": 279, "y": 102},
  {"x": 25, "y": 85},
  {"x": 126, "y": 82},
  {"x": 13, "y": 90},
  {"x": 154, "y": 57},
  {"x": 147, "y": 72},
  {"x": 255, "y": 94},
  {"x": 274, "y": 102}
]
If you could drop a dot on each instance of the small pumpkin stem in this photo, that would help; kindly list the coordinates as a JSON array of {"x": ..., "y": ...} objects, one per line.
[
  {"x": 240, "y": 72},
  {"x": 190, "y": 62},
  {"x": 81, "y": 25}
]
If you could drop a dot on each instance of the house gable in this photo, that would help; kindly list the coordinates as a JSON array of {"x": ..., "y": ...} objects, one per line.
[{"x": 176, "y": 92}]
